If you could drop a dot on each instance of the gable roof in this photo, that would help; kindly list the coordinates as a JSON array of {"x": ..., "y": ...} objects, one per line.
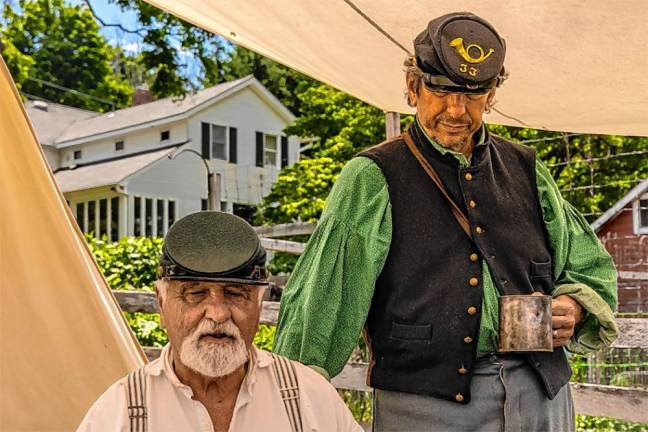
[
  {"x": 50, "y": 119},
  {"x": 108, "y": 172},
  {"x": 163, "y": 111},
  {"x": 635, "y": 193}
]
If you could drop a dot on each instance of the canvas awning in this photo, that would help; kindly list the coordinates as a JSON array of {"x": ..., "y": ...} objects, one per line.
[
  {"x": 63, "y": 339},
  {"x": 575, "y": 66}
]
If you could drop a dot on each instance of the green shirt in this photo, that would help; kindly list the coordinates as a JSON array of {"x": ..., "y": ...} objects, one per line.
[{"x": 327, "y": 299}]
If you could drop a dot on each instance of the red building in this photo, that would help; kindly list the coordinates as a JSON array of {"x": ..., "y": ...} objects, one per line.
[{"x": 623, "y": 229}]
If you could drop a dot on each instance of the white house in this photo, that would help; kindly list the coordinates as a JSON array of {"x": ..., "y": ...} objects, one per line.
[{"x": 116, "y": 172}]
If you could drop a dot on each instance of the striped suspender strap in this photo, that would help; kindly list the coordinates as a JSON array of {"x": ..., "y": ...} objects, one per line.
[
  {"x": 136, "y": 397},
  {"x": 286, "y": 376}
]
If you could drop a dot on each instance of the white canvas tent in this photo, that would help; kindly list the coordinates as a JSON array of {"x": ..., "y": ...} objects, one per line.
[
  {"x": 63, "y": 339},
  {"x": 575, "y": 66}
]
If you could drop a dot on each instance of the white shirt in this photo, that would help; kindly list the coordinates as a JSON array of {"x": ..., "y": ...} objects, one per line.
[{"x": 259, "y": 406}]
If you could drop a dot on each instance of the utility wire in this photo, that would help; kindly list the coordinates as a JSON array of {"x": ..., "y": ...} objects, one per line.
[{"x": 76, "y": 92}]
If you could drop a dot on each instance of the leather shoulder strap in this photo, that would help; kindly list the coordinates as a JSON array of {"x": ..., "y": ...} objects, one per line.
[
  {"x": 456, "y": 211},
  {"x": 286, "y": 375},
  {"x": 136, "y": 398}
]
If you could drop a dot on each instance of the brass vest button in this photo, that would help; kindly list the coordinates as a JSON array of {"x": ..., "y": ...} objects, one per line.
[
  {"x": 468, "y": 176},
  {"x": 468, "y": 339},
  {"x": 479, "y": 230},
  {"x": 463, "y": 371},
  {"x": 474, "y": 257},
  {"x": 472, "y": 310},
  {"x": 473, "y": 281},
  {"x": 472, "y": 204},
  {"x": 459, "y": 397}
]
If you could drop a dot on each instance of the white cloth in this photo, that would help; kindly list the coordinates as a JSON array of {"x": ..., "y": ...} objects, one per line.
[{"x": 259, "y": 406}]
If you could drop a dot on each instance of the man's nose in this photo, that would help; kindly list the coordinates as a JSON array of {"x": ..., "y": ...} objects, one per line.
[
  {"x": 456, "y": 105},
  {"x": 216, "y": 309}
]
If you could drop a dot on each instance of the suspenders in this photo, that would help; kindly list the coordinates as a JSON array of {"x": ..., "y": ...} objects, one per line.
[
  {"x": 282, "y": 368},
  {"x": 286, "y": 375},
  {"x": 136, "y": 397}
]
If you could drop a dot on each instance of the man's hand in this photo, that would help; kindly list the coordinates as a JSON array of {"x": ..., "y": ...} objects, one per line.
[{"x": 566, "y": 313}]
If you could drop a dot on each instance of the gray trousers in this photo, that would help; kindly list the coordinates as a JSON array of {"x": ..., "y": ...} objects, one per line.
[{"x": 506, "y": 396}]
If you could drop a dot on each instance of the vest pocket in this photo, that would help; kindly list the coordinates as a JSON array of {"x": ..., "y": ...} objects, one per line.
[
  {"x": 541, "y": 277},
  {"x": 411, "y": 332}
]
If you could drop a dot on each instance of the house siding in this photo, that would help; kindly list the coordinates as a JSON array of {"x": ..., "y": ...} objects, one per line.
[{"x": 630, "y": 254}]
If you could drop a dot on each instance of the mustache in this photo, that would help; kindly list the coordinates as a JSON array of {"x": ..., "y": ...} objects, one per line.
[
  {"x": 208, "y": 327},
  {"x": 454, "y": 122}
]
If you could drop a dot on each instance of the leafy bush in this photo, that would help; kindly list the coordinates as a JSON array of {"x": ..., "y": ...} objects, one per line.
[{"x": 128, "y": 264}]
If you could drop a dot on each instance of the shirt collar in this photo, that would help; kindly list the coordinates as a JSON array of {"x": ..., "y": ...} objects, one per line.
[{"x": 463, "y": 161}]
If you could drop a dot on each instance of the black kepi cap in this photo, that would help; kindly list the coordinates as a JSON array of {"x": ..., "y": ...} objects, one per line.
[
  {"x": 213, "y": 246},
  {"x": 460, "y": 51}
]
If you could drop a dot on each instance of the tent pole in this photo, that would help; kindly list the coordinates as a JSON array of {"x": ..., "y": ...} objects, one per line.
[{"x": 392, "y": 124}]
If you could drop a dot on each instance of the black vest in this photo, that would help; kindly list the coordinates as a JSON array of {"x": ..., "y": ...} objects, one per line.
[{"x": 424, "y": 319}]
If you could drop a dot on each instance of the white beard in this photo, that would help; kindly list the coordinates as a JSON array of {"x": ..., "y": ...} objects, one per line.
[{"x": 213, "y": 360}]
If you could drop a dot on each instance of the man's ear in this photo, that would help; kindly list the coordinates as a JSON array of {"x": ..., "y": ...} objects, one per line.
[
  {"x": 491, "y": 97},
  {"x": 412, "y": 90},
  {"x": 160, "y": 301}
]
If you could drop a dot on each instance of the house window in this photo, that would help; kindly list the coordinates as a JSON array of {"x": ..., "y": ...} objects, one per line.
[
  {"x": 204, "y": 204},
  {"x": 77, "y": 154},
  {"x": 114, "y": 219},
  {"x": 137, "y": 220},
  {"x": 119, "y": 145},
  {"x": 219, "y": 142},
  {"x": 159, "y": 217},
  {"x": 270, "y": 150},
  {"x": 165, "y": 135},
  {"x": 91, "y": 228},
  {"x": 641, "y": 215},
  {"x": 80, "y": 216},
  {"x": 148, "y": 216},
  {"x": 245, "y": 211},
  {"x": 171, "y": 207},
  {"x": 103, "y": 217}
]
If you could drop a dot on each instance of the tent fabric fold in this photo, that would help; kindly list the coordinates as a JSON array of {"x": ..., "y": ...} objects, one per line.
[
  {"x": 63, "y": 339},
  {"x": 574, "y": 66}
]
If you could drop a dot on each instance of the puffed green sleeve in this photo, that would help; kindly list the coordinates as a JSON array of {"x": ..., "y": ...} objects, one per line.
[
  {"x": 582, "y": 269},
  {"x": 326, "y": 301}
]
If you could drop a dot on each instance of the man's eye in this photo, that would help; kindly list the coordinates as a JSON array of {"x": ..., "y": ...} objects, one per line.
[
  {"x": 234, "y": 293},
  {"x": 194, "y": 296}
]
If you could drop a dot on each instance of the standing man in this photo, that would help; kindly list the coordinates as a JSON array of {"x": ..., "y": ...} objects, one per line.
[
  {"x": 210, "y": 377},
  {"x": 421, "y": 272}
]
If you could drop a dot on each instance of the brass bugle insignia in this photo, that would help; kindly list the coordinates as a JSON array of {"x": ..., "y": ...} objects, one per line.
[{"x": 464, "y": 52}]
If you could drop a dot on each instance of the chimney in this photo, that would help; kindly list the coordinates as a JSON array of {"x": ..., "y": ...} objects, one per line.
[{"x": 142, "y": 95}]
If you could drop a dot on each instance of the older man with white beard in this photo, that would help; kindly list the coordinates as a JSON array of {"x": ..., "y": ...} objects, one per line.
[{"x": 210, "y": 377}]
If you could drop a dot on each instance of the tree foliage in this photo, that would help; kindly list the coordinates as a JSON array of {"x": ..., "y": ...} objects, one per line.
[
  {"x": 343, "y": 126},
  {"x": 593, "y": 171},
  {"x": 285, "y": 83},
  {"x": 49, "y": 40}
]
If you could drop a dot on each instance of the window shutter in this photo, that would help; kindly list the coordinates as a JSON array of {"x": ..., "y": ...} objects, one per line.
[
  {"x": 259, "y": 149},
  {"x": 232, "y": 144},
  {"x": 284, "y": 151},
  {"x": 205, "y": 141}
]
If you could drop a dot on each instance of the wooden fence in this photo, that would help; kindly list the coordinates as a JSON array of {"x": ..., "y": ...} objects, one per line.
[{"x": 599, "y": 400}]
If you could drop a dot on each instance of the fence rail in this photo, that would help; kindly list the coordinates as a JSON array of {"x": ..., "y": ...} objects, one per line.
[{"x": 600, "y": 400}]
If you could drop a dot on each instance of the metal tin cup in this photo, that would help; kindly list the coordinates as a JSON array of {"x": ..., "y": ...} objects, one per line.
[{"x": 525, "y": 323}]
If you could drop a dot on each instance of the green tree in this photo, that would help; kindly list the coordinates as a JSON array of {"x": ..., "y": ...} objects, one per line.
[
  {"x": 343, "y": 126},
  {"x": 51, "y": 41},
  {"x": 593, "y": 171},
  {"x": 165, "y": 38},
  {"x": 285, "y": 83}
]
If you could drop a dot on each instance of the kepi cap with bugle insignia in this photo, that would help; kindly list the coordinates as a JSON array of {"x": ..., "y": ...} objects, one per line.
[
  {"x": 213, "y": 246},
  {"x": 460, "y": 50}
]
